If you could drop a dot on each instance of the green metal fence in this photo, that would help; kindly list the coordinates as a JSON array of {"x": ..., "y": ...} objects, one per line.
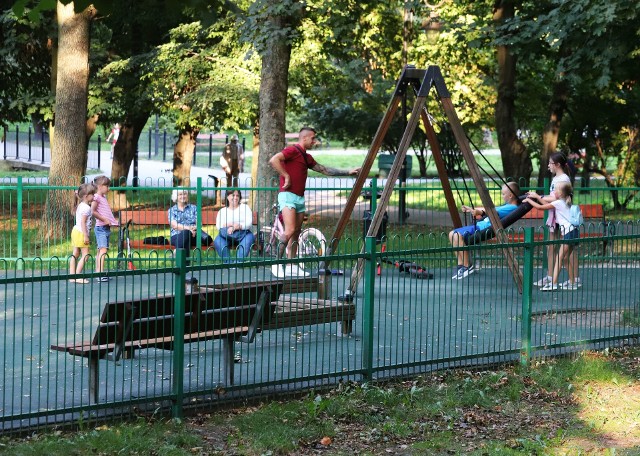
[{"x": 147, "y": 341}]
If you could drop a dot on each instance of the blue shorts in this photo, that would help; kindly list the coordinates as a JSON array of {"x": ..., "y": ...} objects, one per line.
[
  {"x": 572, "y": 235},
  {"x": 103, "y": 233},
  {"x": 291, "y": 200},
  {"x": 466, "y": 232}
]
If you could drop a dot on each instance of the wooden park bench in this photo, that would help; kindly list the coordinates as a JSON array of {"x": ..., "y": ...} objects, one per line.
[
  {"x": 159, "y": 218},
  {"x": 233, "y": 312}
]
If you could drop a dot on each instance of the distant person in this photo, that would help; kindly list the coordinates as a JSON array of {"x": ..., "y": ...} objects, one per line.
[
  {"x": 459, "y": 237},
  {"x": 101, "y": 211},
  {"x": 113, "y": 137},
  {"x": 293, "y": 163},
  {"x": 183, "y": 218},
  {"x": 235, "y": 223},
  {"x": 561, "y": 205},
  {"x": 487, "y": 136},
  {"x": 80, "y": 234},
  {"x": 230, "y": 160}
]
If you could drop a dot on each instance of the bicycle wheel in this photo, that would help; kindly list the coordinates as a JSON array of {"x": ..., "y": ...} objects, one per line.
[
  {"x": 269, "y": 244},
  {"x": 311, "y": 243}
]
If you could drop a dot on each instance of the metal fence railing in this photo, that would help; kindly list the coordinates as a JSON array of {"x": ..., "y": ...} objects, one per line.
[
  {"x": 150, "y": 339},
  {"x": 154, "y": 144}
]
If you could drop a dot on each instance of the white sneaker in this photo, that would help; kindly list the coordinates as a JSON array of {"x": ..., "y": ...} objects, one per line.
[
  {"x": 278, "y": 271},
  {"x": 542, "y": 282},
  {"x": 566, "y": 285},
  {"x": 291, "y": 270},
  {"x": 549, "y": 287}
]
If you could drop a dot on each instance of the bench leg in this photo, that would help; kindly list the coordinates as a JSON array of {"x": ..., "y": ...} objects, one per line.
[
  {"x": 227, "y": 356},
  {"x": 93, "y": 379},
  {"x": 346, "y": 327}
]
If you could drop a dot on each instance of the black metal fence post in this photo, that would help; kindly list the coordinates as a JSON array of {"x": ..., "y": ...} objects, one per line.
[
  {"x": 42, "y": 147},
  {"x": 135, "y": 168},
  {"x": 17, "y": 142},
  {"x": 29, "y": 151},
  {"x": 164, "y": 145},
  {"x": 99, "y": 145},
  {"x": 210, "y": 149}
]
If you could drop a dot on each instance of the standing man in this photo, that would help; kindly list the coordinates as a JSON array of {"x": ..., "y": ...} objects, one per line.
[
  {"x": 293, "y": 163},
  {"x": 229, "y": 161}
]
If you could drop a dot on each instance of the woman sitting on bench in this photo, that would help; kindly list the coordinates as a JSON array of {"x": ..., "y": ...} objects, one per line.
[
  {"x": 183, "y": 219},
  {"x": 234, "y": 222},
  {"x": 462, "y": 236}
]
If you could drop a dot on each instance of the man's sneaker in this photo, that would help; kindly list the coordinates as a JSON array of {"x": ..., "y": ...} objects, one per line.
[
  {"x": 455, "y": 276},
  {"x": 278, "y": 271},
  {"x": 542, "y": 282},
  {"x": 569, "y": 286},
  {"x": 103, "y": 279},
  {"x": 578, "y": 282},
  {"x": 550, "y": 287}
]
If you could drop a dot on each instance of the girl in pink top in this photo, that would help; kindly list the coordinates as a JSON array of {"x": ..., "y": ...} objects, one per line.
[{"x": 104, "y": 221}]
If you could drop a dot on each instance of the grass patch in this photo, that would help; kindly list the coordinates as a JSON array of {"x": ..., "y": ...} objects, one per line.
[
  {"x": 631, "y": 317},
  {"x": 581, "y": 405}
]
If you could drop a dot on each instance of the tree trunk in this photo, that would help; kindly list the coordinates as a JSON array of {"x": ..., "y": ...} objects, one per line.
[
  {"x": 123, "y": 155},
  {"x": 69, "y": 150},
  {"x": 274, "y": 83},
  {"x": 552, "y": 129},
  {"x": 183, "y": 156},
  {"x": 516, "y": 161}
]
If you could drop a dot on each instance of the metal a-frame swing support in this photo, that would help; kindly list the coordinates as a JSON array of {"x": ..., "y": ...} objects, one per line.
[{"x": 421, "y": 82}]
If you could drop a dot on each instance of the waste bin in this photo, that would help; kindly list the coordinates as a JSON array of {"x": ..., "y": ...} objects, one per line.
[
  {"x": 385, "y": 162},
  {"x": 382, "y": 231}
]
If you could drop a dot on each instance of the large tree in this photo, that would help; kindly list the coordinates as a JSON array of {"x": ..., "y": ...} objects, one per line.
[{"x": 69, "y": 141}]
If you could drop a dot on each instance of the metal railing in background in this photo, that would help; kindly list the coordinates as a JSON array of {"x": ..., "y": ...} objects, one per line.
[
  {"x": 154, "y": 144},
  {"x": 23, "y": 202}
]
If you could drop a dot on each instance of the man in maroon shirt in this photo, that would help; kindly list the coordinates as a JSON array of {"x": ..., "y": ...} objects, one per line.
[{"x": 293, "y": 163}]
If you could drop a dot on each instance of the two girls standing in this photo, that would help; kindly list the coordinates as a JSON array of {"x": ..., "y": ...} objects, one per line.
[{"x": 559, "y": 202}]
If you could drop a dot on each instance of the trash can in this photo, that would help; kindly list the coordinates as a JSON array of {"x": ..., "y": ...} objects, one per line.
[
  {"x": 382, "y": 231},
  {"x": 385, "y": 162}
]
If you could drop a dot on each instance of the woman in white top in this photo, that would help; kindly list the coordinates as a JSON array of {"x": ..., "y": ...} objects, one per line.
[
  {"x": 559, "y": 168},
  {"x": 562, "y": 206},
  {"x": 234, "y": 222}
]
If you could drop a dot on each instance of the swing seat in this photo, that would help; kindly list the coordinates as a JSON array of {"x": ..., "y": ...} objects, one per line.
[{"x": 508, "y": 220}]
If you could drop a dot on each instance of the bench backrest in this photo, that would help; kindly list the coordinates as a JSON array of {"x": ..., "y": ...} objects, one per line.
[
  {"x": 161, "y": 217},
  {"x": 210, "y": 309},
  {"x": 589, "y": 211}
]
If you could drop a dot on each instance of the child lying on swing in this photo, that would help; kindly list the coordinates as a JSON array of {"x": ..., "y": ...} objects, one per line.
[{"x": 459, "y": 237}]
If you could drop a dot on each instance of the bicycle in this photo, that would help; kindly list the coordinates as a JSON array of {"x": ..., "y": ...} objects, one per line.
[
  {"x": 311, "y": 242},
  {"x": 124, "y": 243}
]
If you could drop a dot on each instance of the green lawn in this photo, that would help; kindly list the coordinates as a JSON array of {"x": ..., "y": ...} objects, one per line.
[{"x": 584, "y": 405}]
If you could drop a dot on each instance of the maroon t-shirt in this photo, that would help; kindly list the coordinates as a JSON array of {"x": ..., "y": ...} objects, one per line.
[{"x": 297, "y": 163}]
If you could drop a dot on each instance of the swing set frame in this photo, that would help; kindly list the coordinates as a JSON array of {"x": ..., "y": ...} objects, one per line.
[{"x": 422, "y": 82}]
